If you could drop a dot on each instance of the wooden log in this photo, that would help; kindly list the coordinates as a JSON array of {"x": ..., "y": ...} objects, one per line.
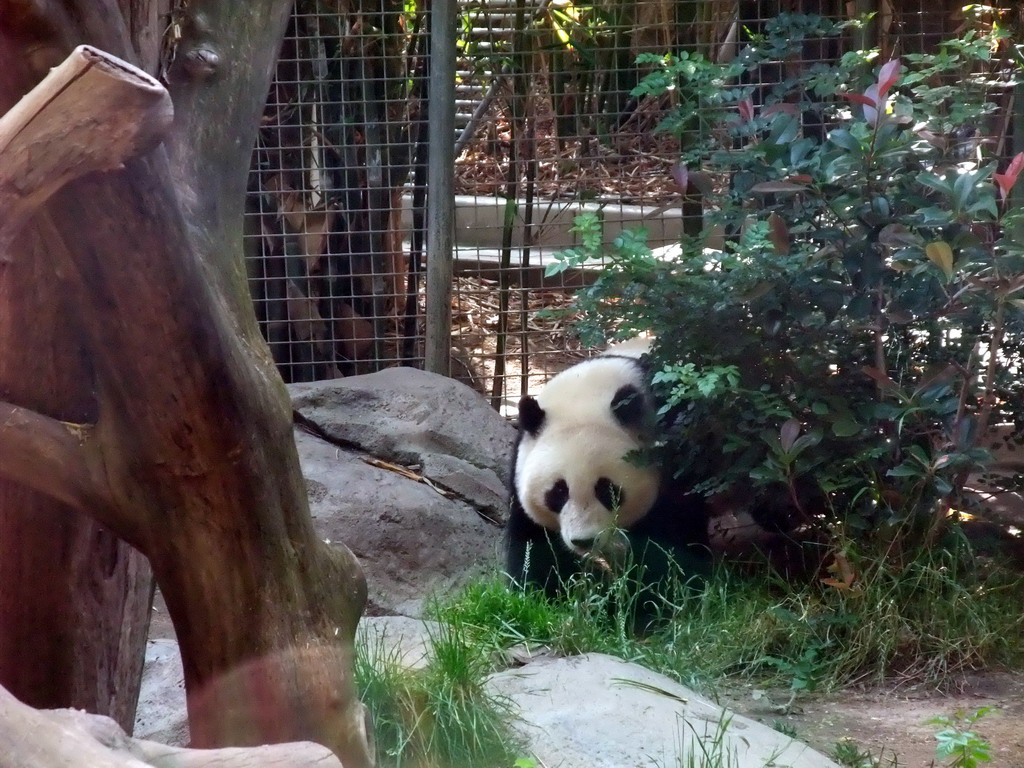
[{"x": 67, "y": 738}]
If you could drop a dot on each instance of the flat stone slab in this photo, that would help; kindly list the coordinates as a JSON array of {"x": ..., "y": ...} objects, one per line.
[
  {"x": 399, "y": 640},
  {"x": 596, "y": 711}
]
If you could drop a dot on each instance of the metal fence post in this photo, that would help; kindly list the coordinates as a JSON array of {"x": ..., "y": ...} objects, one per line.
[{"x": 440, "y": 186}]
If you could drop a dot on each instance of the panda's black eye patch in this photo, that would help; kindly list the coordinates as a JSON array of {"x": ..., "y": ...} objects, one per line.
[
  {"x": 609, "y": 494},
  {"x": 629, "y": 406},
  {"x": 557, "y": 496}
]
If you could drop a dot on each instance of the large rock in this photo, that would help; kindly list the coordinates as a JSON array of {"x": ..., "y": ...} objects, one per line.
[
  {"x": 596, "y": 711},
  {"x": 398, "y": 640},
  {"x": 410, "y": 416},
  {"x": 419, "y": 532}
]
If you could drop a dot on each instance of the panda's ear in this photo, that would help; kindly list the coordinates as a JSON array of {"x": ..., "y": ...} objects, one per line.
[
  {"x": 531, "y": 415},
  {"x": 629, "y": 406}
]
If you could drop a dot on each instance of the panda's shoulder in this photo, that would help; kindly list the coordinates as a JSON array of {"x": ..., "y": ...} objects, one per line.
[
  {"x": 635, "y": 347},
  {"x": 594, "y": 378}
]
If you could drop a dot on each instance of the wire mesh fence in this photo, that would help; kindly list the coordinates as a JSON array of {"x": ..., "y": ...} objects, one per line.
[
  {"x": 548, "y": 124},
  {"x": 332, "y": 273}
]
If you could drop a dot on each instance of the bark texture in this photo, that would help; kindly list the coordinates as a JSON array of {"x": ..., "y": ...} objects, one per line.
[
  {"x": 187, "y": 453},
  {"x": 74, "y": 599}
]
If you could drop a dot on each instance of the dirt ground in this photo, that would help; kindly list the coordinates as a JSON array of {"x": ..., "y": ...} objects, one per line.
[{"x": 893, "y": 724}]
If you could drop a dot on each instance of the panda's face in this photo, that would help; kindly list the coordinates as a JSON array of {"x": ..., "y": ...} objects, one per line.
[
  {"x": 571, "y": 471},
  {"x": 575, "y": 480}
]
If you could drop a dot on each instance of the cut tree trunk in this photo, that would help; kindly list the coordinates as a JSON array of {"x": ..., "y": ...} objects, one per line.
[{"x": 190, "y": 457}]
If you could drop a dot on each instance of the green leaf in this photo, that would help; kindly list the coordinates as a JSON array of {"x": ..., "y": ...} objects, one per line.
[
  {"x": 940, "y": 254},
  {"x": 846, "y": 428},
  {"x": 936, "y": 183},
  {"x": 918, "y": 453},
  {"x": 632, "y": 242},
  {"x": 963, "y": 186},
  {"x": 905, "y": 470},
  {"x": 844, "y": 139},
  {"x": 986, "y": 204},
  {"x": 804, "y": 442}
]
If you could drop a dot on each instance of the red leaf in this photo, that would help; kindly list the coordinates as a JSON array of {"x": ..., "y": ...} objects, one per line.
[
  {"x": 746, "y": 108},
  {"x": 1004, "y": 182},
  {"x": 779, "y": 233},
  {"x": 871, "y": 112},
  {"x": 1008, "y": 179},
  {"x": 887, "y": 76},
  {"x": 789, "y": 433},
  {"x": 881, "y": 378},
  {"x": 1016, "y": 165}
]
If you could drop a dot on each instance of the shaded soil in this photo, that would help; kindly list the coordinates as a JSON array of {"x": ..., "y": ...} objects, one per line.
[{"x": 893, "y": 724}]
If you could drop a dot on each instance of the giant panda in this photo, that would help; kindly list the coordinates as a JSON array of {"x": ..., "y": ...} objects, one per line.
[{"x": 575, "y": 488}]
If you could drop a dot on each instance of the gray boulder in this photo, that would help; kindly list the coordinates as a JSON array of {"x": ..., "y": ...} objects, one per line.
[
  {"x": 409, "y": 415},
  {"x": 596, "y": 711},
  {"x": 398, "y": 640},
  {"x": 408, "y": 469}
]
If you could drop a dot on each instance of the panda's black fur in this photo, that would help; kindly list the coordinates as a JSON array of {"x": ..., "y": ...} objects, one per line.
[{"x": 598, "y": 410}]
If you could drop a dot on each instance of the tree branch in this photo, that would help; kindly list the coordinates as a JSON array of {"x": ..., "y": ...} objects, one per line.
[
  {"x": 52, "y": 457},
  {"x": 89, "y": 114}
]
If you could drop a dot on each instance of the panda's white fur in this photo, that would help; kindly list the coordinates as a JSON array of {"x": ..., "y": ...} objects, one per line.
[
  {"x": 574, "y": 485},
  {"x": 581, "y": 442}
]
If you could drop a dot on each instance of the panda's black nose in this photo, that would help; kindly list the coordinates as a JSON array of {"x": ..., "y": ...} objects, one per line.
[{"x": 584, "y": 544}]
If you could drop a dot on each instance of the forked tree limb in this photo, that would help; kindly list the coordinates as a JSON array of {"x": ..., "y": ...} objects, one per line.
[
  {"x": 194, "y": 429},
  {"x": 52, "y": 457},
  {"x": 91, "y": 113}
]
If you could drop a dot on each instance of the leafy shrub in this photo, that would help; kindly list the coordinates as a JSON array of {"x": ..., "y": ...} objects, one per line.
[
  {"x": 847, "y": 327},
  {"x": 958, "y": 746}
]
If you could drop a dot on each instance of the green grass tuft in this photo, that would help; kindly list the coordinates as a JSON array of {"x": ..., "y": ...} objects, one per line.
[
  {"x": 440, "y": 715},
  {"x": 929, "y": 620}
]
